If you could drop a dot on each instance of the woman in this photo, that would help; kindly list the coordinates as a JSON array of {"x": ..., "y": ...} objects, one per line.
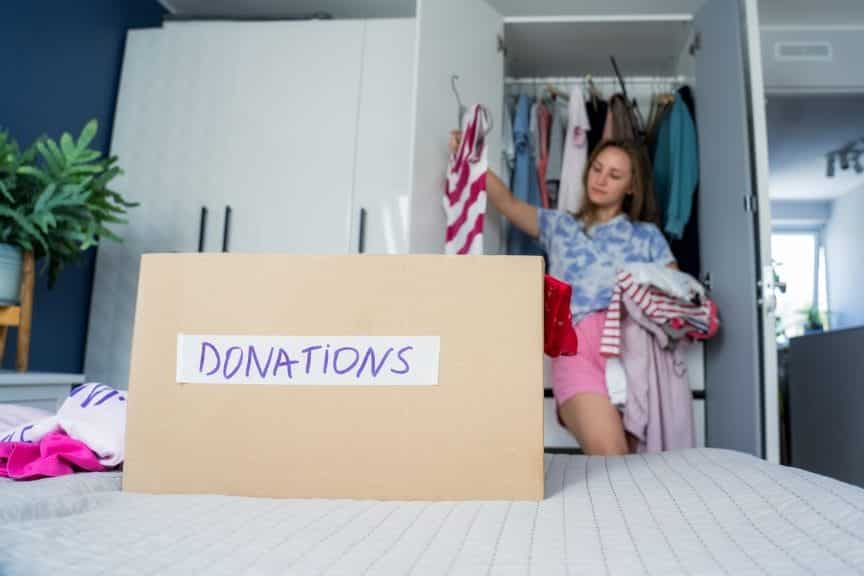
[{"x": 613, "y": 227}]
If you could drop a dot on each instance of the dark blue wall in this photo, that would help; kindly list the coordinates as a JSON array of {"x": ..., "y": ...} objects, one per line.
[{"x": 60, "y": 66}]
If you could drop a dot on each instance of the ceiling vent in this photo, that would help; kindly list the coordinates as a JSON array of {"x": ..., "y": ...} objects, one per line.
[{"x": 803, "y": 52}]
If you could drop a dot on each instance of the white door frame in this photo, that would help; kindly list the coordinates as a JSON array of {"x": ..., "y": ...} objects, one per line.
[{"x": 759, "y": 157}]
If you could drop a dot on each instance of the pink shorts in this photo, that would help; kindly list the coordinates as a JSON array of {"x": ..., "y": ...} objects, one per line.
[{"x": 584, "y": 373}]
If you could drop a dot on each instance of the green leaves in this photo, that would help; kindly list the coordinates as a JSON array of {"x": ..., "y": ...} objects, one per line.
[{"x": 55, "y": 197}]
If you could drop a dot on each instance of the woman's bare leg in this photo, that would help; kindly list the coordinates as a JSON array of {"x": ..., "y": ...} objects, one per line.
[{"x": 595, "y": 423}]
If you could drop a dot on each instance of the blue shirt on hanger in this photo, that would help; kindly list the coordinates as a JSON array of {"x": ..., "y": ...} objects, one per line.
[{"x": 525, "y": 184}]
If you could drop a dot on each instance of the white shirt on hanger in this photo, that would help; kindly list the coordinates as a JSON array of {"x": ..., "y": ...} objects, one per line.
[
  {"x": 557, "y": 134},
  {"x": 575, "y": 154},
  {"x": 534, "y": 130}
]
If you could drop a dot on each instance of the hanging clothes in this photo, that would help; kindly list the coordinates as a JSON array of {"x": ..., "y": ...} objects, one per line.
[
  {"x": 465, "y": 194},
  {"x": 525, "y": 186},
  {"x": 543, "y": 122},
  {"x": 660, "y": 106},
  {"x": 508, "y": 148},
  {"x": 557, "y": 134},
  {"x": 620, "y": 124},
  {"x": 686, "y": 248},
  {"x": 597, "y": 110},
  {"x": 534, "y": 131},
  {"x": 676, "y": 168},
  {"x": 572, "y": 190}
]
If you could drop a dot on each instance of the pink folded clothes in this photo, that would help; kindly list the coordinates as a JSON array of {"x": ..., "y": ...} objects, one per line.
[{"x": 56, "y": 454}]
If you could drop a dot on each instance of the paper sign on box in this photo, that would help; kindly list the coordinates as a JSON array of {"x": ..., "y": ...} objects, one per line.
[{"x": 308, "y": 361}]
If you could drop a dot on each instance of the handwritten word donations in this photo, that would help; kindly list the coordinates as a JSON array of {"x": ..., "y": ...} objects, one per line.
[{"x": 272, "y": 362}]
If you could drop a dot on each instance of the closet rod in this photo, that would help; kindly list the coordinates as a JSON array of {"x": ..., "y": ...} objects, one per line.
[
  {"x": 598, "y": 18},
  {"x": 637, "y": 80}
]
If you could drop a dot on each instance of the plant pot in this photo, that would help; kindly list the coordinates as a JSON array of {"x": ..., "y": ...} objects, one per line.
[{"x": 10, "y": 274}]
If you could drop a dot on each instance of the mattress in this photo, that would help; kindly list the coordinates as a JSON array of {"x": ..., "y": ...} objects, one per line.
[{"x": 703, "y": 511}]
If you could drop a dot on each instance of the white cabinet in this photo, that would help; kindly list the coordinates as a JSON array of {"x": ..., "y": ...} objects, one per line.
[
  {"x": 454, "y": 37},
  {"x": 382, "y": 178},
  {"x": 294, "y": 126},
  {"x": 170, "y": 199}
]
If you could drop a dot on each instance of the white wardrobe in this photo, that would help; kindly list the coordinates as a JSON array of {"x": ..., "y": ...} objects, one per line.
[
  {"x": 251, "y": 137},
  {"x": 332, "y": 137}
]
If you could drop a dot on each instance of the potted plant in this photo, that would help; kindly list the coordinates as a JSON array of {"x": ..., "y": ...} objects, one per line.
[
  {"x": 813, "y": 321},
  {"x": 55, "y": 203}
]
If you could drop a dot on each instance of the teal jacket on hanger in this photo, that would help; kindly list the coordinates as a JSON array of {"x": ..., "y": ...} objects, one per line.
[{"x": 676, "y": 168}]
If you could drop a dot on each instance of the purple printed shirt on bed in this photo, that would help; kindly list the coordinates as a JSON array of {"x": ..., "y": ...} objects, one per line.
[
  {"x": 590, "y": 261},
  {"x": 93, "y": 413}
]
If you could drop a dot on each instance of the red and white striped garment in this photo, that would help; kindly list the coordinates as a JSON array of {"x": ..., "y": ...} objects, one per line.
[
  {"x": 659, "y": 307},
  {"x": 465, "y": 193}
]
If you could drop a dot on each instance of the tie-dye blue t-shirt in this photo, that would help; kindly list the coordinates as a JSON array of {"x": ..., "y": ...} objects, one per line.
[{"x": 590, "y": 261}]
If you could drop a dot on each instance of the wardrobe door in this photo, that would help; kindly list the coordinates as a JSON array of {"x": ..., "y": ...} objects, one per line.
[
  {"x": 147, "y": 122},
  {"x": 276, "y": 129},
  {"x": 730, "y": 230},
  {"x": 454, "y": 37},
  {"x": 382, "y": 180}
]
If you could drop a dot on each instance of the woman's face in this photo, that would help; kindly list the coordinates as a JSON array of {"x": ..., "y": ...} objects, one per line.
[{"x": 610, "y": 178}]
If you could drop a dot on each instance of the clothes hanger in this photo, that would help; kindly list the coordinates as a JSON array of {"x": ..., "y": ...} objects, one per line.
[
  {"x": 620, "y": 79},
  {"x": 557, "y": 92},
  {"x": 593, "y": 92},
  {"x": 462, "y": 109}
]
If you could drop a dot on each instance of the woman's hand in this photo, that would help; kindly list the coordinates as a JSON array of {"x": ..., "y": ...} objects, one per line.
[{"x": 455, "y": 140}]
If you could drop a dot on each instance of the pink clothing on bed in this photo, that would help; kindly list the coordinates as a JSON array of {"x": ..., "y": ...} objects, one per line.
[
  {"x": 93, "y": 413},
  {"x": 55, "y": 455}
]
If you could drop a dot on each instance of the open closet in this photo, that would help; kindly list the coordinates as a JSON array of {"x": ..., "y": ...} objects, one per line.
[
  {"x": 646, "y": 63},
  {"x": 331, "y": 136},
  {"x": 716, "y": 52}
]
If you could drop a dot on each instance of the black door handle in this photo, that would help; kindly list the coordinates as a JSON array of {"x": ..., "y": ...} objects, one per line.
[
  {"x": 361, "y": 240},
  {"x": 226, "y": 228},
  {"x": 202, "y": 226}
]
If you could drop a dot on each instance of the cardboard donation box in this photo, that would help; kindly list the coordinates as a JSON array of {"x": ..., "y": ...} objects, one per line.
[{"x": 363, "y": 377}]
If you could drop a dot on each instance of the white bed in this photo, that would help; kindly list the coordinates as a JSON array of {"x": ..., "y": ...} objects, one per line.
[{"x": 700, "y": 511}]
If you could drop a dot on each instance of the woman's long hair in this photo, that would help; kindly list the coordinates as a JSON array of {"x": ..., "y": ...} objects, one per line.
[{"x": 640, "y": 205}]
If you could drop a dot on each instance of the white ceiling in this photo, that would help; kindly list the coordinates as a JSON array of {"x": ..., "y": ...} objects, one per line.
[
  {"x": 771, "y": 12},
  {"x": 801, "y": 131}
]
